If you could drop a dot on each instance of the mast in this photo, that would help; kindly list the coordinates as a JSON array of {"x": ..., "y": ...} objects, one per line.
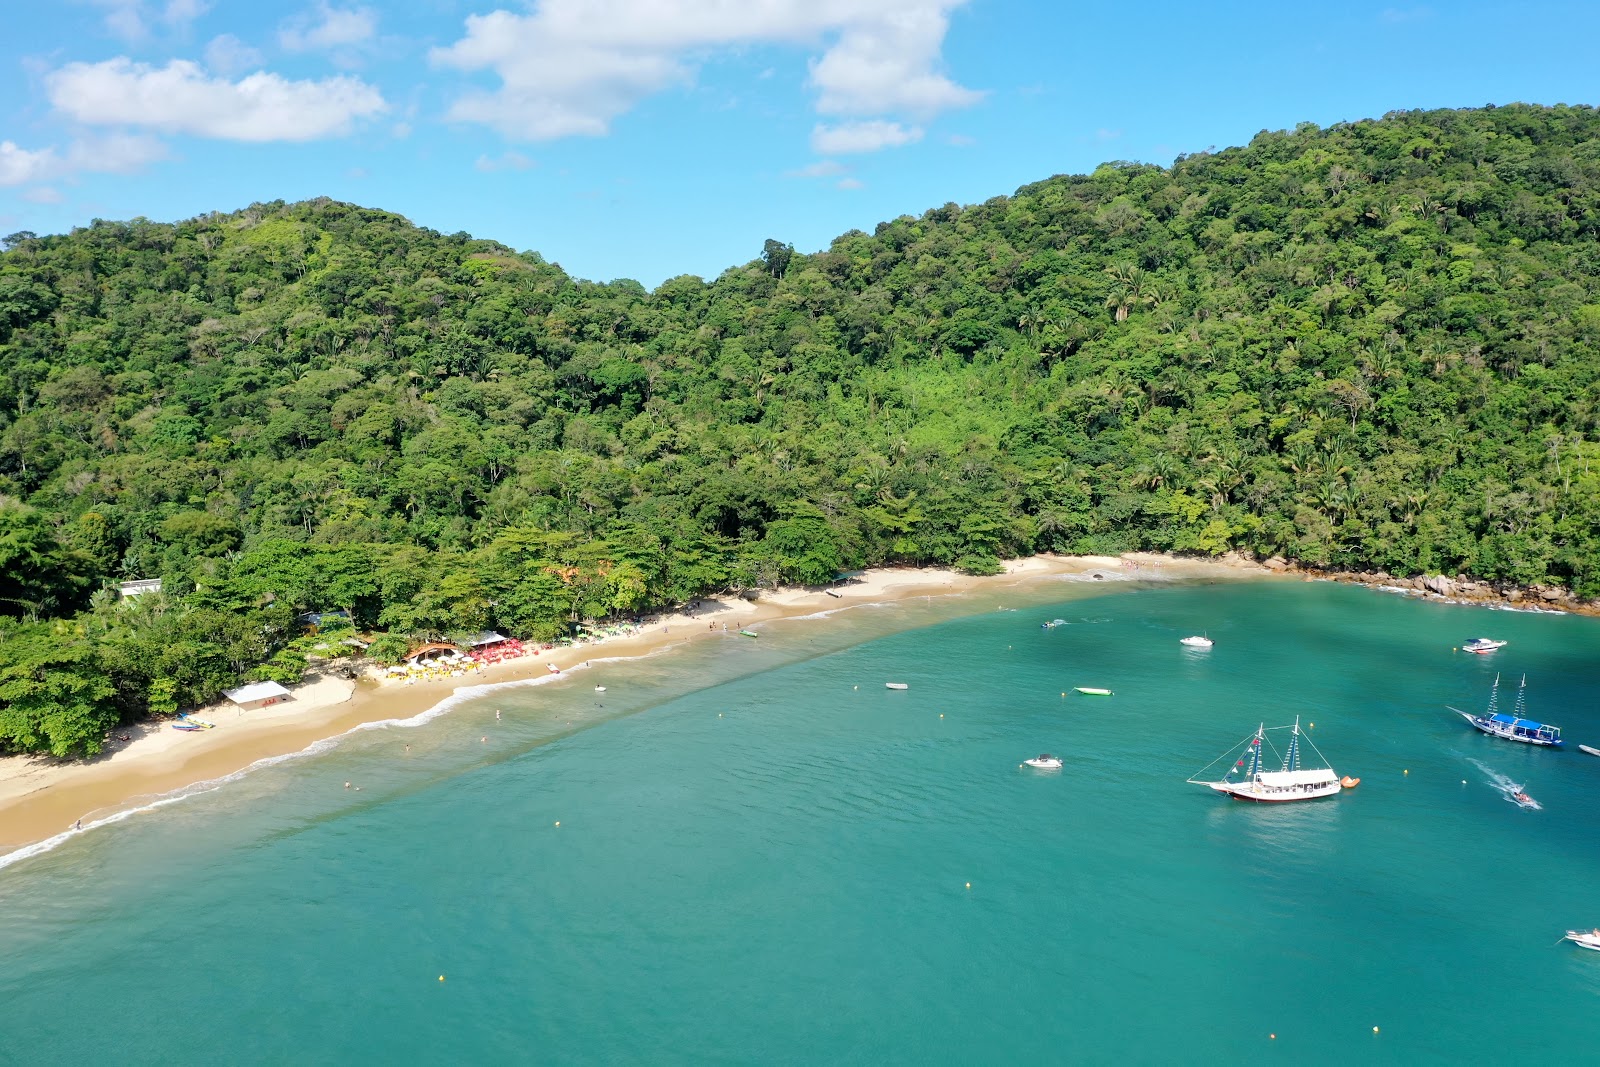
[
  {"x": 1291, "y": 759},
  {"x": 1494, "y": 698},
  {"x": 1521, "y": 697},
  {"x": 1255, "y": 752}
]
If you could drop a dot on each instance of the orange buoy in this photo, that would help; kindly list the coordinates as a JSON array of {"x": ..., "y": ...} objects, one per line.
[{"x": 1349, "y": 782}]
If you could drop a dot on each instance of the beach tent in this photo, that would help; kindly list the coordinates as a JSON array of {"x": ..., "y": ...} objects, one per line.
[
  {"x": 488, "y": 637},
  {"x": 258, "y": 695}
]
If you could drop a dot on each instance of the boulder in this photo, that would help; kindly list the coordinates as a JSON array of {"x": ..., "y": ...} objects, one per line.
[
  {"x": 1276, "y": 563},
  {"x": 1552, "y": 594},
  {"x": 1438, "y": 583}
]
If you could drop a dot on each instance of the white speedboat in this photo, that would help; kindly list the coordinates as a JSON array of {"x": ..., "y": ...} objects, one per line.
[
  {"x": 1197, "y": 642},
  {"x": 1043, "y": 762},
  {"x": 1289, "y": 782},
  {"x": 1584, "y": 938},
  {"x": 1481, "y": 645},
  {"x": 895, "y": 685}
]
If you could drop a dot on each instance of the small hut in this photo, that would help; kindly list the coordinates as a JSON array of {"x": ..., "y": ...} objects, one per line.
[
  {"x": 139, "y": 588},
  {"x": 258, "y": 695},
  {"x": 434, "y": 650}
]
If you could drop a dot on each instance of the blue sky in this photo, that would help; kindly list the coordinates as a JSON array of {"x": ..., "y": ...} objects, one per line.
[{"x": 649, "y": 138}]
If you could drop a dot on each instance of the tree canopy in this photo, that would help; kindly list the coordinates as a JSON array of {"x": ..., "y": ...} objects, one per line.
[{"x": 1368, "y": 346}]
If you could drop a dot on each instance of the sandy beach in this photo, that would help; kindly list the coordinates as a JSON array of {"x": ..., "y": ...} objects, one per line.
[{"x": 42, "y": 797}]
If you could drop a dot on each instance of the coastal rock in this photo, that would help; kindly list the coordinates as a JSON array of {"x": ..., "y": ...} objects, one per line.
[
  {"x": 1513, "y": 594},
  {"x": 1438, "y": 583},
  {"x": 1551, "y": 594},
  {"x": 1276, "y": 563}
]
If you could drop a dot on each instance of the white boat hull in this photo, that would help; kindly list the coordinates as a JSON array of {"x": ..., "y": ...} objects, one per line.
[
  {"x": 1584, "y": 939},
  {"x": 1276, "y": 794}
]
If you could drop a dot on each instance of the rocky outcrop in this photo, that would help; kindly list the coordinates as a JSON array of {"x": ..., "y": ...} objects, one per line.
[{"x": 1438, "y": 583}]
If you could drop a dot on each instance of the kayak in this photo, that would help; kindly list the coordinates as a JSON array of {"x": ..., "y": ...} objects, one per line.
[
  {"x": 1591, "y": 751},
  {"x": 748, "y": 633},
  {"x": 895, "y": 685}
]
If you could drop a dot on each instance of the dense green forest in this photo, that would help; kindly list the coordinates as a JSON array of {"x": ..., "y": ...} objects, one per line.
[{"x": 1370, "y": 346}]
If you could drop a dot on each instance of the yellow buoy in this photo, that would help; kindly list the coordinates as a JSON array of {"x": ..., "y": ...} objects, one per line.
[
  {"x": 941, "y": 715},
  {"x": 1374, "y": 1029},
  {"x": 1273, "y": 1036},
  {"x": 969, "y": 885},
  {"x": 1407, "y": 771},
  {"x": 441, "y": 978}
]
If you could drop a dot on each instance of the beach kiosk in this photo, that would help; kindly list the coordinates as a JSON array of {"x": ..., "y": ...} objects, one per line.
[{"x": 258, "y": 695}]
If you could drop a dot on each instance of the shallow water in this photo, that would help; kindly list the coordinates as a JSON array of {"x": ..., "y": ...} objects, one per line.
[{"x": 764, "y": 856}]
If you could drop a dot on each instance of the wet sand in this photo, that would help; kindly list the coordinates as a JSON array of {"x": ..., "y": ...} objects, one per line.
[{"x": 42, "y": 797}]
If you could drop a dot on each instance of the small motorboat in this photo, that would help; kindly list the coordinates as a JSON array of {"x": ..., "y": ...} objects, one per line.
[
  {"x": 895, "y": 685},
  {"x": 1043, "y": 762},
  {"x": 1591, "y": 751},
  {"x": 599, "y": 689},
  {"x": 1584, "y": 938},
  {"x": 1522, "y": 800},
  {"x": 1481, "y": 645},
  {"x": 1198, "y": 641},
  {"x": 1091, "y": 691},
  {"x": 553, "y": 668},
  {"x": 1052, "y": 624},
  {"x": 187, "y": 727}
]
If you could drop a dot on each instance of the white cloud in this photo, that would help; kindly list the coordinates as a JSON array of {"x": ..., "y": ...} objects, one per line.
[
  {"x": 822, "y": 168},
  {"x": 329, "y": 27},
  {"x": 571, "y": 67},
  {"x": 227, "y": 55},
  {"x": 181, "y": 98},
  {"x": 43, "y": 194},
  {"x": 505, "y": 161},
  {"x": 868, "y": 136},
  {"x": 134, "y": 20},
  {"x": 115, "y": 154},
  {"x": 852, "y": 183},
  {"x": 20, "y": 165}
]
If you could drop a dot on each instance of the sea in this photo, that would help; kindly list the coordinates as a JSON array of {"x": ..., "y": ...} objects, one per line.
[{"x": 750, "y": 851}]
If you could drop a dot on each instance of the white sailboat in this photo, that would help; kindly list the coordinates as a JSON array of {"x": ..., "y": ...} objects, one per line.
[{"x": 1289, "y": 782}]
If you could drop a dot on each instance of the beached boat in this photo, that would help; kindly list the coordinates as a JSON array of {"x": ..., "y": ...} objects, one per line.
[
  {"x": 1584, "y": 938},
  {"x": 187, "y": 727},
  {"x": 1289, "y": 782},
  {"x": 1480, "y": 645},
  {"x": 1043, "y": 762},
  {"x": 1512, "y": 727},
  {"x": 895, "y": 685},
  {"x": 1198, "y": 641},
  {"x": 1591, "y": 751},
  {"x": 198, "y": 722},
  {"x": 1089, "y": 690}
]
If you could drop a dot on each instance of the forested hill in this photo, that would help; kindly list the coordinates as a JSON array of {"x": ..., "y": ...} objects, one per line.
[{"x": 1369, "y": 346}]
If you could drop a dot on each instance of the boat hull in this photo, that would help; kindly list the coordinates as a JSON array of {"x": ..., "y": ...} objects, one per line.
[
  {"x": 1591, "y": 751},
  {"x": 1259, "y": 794},
  {"x": 1584, "y": 939}
]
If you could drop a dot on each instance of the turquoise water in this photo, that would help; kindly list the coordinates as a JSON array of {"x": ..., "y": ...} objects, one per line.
[{"x": 763, "y": 857}]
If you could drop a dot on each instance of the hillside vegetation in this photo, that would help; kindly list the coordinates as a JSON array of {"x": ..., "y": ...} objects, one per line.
[{"x": 1369, "y": 346}]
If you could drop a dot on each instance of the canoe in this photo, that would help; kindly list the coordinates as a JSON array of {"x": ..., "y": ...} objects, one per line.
[
  {"x": 1093, "y": 692},
  {"x": 895, "y": 685},
  {"x": 1591, "y": 751},
  {"x": 748, "y": 633}
]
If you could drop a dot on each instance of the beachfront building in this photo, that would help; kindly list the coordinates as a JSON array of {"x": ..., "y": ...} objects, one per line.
[{"x": 258, "y": 695}]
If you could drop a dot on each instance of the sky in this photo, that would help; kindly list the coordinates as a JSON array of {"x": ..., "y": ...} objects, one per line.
[{"x": 651, "y": 138}]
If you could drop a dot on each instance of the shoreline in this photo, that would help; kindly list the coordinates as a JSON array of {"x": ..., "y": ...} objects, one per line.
[{"x": 45, "y": 801}]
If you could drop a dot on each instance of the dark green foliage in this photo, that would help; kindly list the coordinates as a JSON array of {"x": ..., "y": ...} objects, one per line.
[{"x": 1376, "y": 345}]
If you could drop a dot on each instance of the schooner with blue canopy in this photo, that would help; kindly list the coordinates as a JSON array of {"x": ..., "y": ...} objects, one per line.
[{"x": 1512, "y": 727}]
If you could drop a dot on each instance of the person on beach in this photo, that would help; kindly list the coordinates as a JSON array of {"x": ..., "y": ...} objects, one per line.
[{"x": 496, "y": 714}]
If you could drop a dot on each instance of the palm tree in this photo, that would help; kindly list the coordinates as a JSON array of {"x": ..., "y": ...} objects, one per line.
[{"x": 1129, "y": 289}]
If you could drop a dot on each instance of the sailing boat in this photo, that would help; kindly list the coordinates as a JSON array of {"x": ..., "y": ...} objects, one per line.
[
  {"x": 1289, "y": 782},
  {"x": 1513, "y": 727}
]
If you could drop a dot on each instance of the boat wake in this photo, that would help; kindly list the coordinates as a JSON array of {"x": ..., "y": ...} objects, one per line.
[{"x": 1506, "y": 787}]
